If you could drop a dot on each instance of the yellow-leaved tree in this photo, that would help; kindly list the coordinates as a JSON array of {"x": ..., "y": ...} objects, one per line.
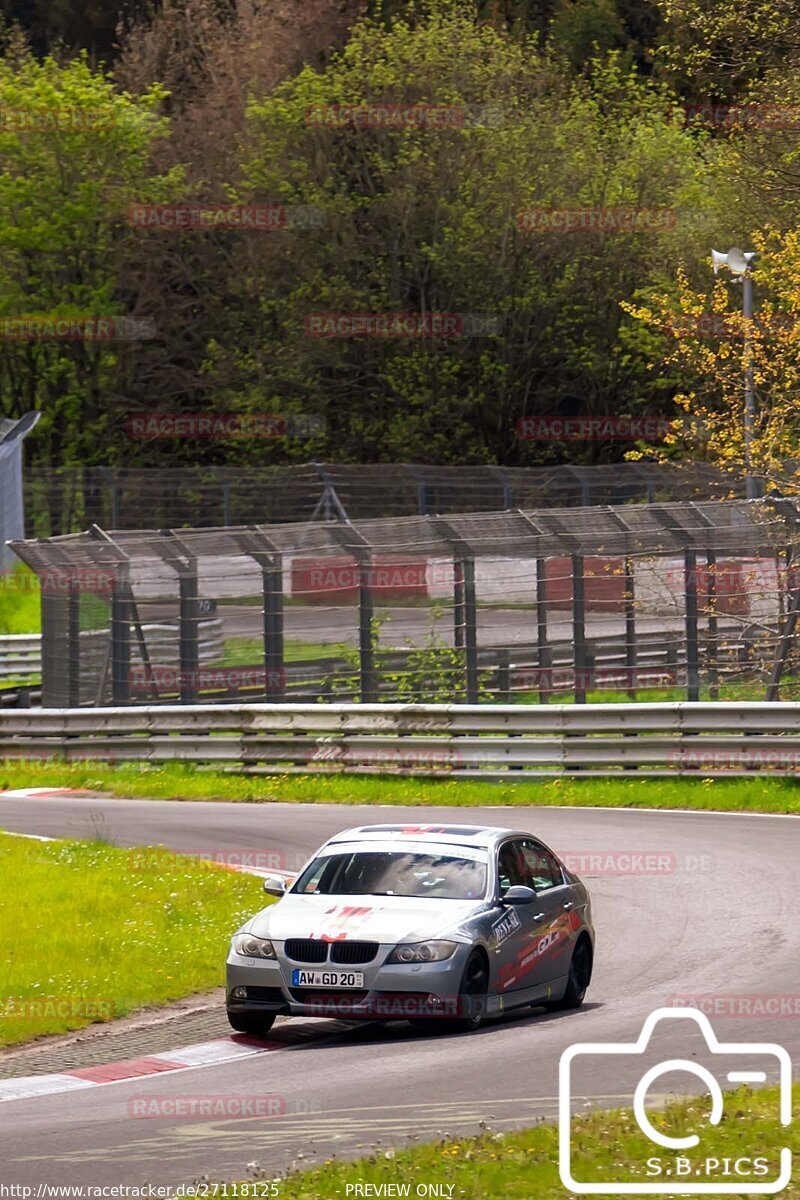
[{"x": 707, "y": 340}]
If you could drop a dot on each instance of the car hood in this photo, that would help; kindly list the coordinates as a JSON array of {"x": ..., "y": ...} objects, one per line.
[{"x": 386, "y": 919}]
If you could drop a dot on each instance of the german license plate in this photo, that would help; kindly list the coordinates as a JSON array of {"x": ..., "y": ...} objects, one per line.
[{"x": 335, "y": 979}]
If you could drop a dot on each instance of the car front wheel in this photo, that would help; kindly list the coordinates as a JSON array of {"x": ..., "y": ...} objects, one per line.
[
  {"x": 472, "y": 999},
  {"x": 255, "y": 1023}
]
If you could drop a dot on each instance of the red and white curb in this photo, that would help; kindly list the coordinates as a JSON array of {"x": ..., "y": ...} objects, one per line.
[
  {"x": 39, "y": 793},
  {"x": 204, "y": 1054}
]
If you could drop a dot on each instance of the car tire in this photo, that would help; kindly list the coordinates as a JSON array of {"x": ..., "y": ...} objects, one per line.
[
  {"x": 580, "y": 974},
  {"x": 256, "y": 1023},
  {"x": 472, "y": 995}
]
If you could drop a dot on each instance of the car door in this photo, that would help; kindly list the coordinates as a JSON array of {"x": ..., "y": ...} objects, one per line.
[
  {"x": 519, "y": 929},
  {"x": 556, "y": 906}
]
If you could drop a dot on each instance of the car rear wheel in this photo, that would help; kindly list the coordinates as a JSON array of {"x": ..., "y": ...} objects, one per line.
[
  {"x": 580, "y": 972},
  {"x": 256, "y": 1023}
]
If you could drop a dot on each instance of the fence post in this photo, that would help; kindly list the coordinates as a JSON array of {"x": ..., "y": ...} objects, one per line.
[
  {"x": 74, "y": 644},
  {"x": 189, "y": 633},
  {"x": 120, "y": 642},
  {"x": 272, "y": 583},
  {"x": 580, "y": 656},
  {"x": 630, "y": 626},
  {"x": 458, "y": 604},
  {"x": 543, "y": 657},
  {"x": 366, "y": 650},
  {"x": 504, "y": 676},
  {"x": 470, "y": 631},
  {"x": 711, "y": 655},
  {"x": 692, "y": 646}
]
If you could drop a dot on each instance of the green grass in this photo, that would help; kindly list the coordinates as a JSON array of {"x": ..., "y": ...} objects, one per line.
[
  {"x": 91, "y": 931},
  {"x": 184, "y": 781},
  {"x": 246, "y": 652},
  {"x": 521, "y": 1166},
  {"x": 20, "y": 610}
]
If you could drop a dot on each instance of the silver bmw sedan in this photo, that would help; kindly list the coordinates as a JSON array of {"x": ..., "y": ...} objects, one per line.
[{"x": 444, "y": 924}]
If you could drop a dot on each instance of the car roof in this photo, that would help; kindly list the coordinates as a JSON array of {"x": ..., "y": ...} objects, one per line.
[{"x": 452, "y": 835}]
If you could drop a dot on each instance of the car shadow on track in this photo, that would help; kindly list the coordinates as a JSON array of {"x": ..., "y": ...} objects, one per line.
[{"x": 376, "y": 1032}]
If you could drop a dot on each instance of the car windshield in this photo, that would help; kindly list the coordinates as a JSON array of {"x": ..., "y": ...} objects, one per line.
[{"x": 388, "y": 873}]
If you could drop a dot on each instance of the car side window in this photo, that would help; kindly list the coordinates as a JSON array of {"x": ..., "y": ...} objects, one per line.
[
  {"x": 542, "y": 866},
  {"x": 512, "y": 868}
]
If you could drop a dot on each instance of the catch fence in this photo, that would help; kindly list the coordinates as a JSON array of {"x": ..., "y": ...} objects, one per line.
[
  {"x": 69, "y": 499},
  {"x": 649, "y": 601}
]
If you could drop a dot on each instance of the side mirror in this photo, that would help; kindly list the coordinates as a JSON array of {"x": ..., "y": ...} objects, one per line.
[
  {"x": 275, "y": 886},
  {"x": 518, "y": 894}
]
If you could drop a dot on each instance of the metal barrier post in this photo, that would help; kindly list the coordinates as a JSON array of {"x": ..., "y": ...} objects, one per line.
[
  {"x": 189, "y": 635},
  {"x": 692, "y": 643},
  {"x": 74, "y": 645},
  {"x": 580, "y": 656},
  {"x": 543, "y": 657},
  {"x": 120, "y": 643},
  {"x": 366, "y": 650},
  {"x": 470, "y": 631},
  {"x": 713, "y": 628}
]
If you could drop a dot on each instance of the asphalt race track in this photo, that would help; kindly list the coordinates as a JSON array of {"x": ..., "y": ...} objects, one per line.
[{"x": 722, "y": 919}]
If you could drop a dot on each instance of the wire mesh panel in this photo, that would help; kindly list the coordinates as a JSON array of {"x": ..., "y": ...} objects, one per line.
[
  {"x": 68, "y": 499},
  {"x": 659, "y": 600}
]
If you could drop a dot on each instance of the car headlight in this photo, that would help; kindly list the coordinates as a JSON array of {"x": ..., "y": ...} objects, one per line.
[
  {"x": 253, "y": 947},
  {"x": 422, "y": 952}
]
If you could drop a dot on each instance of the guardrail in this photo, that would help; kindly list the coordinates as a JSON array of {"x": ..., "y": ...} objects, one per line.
[
  {"x": 20, "y": 655},
  {"x": 512, "y": 742}
]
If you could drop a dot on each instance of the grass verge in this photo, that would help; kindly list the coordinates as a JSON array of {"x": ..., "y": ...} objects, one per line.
[
  {"x": 91, "y": 931},
  {"x": 20, "y": 610},
  {"x": 518, "y": 1166},
  {"x": 185, "y": 781},
  {"x": 240, "y": 652}
]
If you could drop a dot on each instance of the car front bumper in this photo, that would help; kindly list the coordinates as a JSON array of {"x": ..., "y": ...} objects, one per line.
[{"x": 396, "y": 991}]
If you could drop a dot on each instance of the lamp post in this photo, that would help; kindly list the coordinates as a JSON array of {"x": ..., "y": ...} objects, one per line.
[{"x": 740, "y": 264}]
